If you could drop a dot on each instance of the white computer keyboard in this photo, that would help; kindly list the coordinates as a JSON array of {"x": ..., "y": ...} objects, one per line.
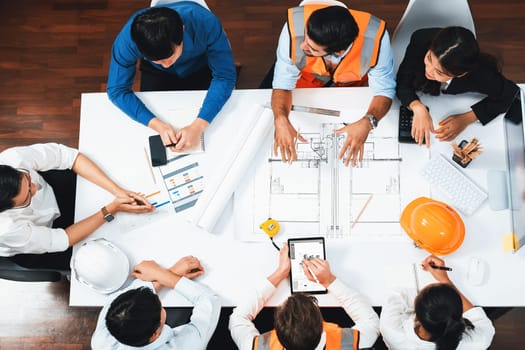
[{"x": 462, "y": 192}]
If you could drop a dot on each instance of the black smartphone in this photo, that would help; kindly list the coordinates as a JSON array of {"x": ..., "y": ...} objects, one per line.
[{"x": 157, "y": 151}]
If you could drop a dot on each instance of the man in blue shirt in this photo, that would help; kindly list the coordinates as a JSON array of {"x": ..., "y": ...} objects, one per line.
[{"x": 182, "y": 46}]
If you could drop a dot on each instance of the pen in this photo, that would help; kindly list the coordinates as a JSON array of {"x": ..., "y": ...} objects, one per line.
[
  {"x": 171, "y": 145},
  {"x": 444, "y": 268},
  {"x": 313, "y": 275}
]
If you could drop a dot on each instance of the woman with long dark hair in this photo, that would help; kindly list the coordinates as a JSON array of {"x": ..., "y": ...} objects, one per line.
[
  {"x": 449, "y": 60},
  {"x": 438, "y": 317}
]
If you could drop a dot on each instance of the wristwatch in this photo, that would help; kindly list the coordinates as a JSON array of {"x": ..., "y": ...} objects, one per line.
[
  {"x": 107, "y": 215},
  {"x": 373, "y": 121}
]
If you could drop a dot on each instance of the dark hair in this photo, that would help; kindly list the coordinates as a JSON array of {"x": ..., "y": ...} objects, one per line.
[
  {"x": 299, "y": 323},
  {"x": 332, "y": 27},
  {"x": 134, "y": 316},
  {"x": 10, "y": 182},
  {"x": 439, "y": 310},
  {"x": 156, "y": 31},
  {"x": 458, "y": 51}
]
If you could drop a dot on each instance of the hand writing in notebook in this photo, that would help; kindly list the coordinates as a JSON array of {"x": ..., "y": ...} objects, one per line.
[
  {"x": 438, "y": 274},
  {"x": 190, "y": 136}
]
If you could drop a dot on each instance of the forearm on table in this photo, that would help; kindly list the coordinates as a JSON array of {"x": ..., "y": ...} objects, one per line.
[
  {"x": 379, "y": 106},
  {"x": 83, "y": 228},
  {"x": 281, "y": 103},
  {"x": 86, "y": 168}
]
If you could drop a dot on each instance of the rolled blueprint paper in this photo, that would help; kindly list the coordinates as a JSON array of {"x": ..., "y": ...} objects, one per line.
[{"x": 222, "y": 183}]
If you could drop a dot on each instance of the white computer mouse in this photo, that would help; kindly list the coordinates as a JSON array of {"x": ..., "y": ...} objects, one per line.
[{"x": 476, "y": 271}]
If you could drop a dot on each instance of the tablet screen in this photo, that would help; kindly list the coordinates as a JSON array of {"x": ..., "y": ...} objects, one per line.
[{"x": 300, "y": 249}]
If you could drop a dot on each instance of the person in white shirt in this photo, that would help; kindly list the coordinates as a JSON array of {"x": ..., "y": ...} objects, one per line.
[
  {"x": 135, "y": 319},
  {"x": 28, "y": 205},
  {"x": 298, "y": 321},
  {"x": 439, "y": 317}
]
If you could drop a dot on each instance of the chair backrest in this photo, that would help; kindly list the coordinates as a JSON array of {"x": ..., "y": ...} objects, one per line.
[
  {"x": 13, "y": 272},
  {"x": 426, "y": 14},
  {"x": 164, "y": 2}
]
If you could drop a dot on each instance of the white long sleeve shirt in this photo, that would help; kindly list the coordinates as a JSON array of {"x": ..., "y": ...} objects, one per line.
[
  {"x": 397, "y": 325},
  {"x": 194, "y": 335},
  {"x": 28, "y": 230},
  {"x": 243, "y": 330}
]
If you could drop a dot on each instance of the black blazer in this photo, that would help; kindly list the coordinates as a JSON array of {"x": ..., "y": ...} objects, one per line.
[{"x": 486, "y": 80}]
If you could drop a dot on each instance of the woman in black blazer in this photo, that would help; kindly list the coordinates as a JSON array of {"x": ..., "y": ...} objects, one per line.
[{"x": 448, "y": 60}]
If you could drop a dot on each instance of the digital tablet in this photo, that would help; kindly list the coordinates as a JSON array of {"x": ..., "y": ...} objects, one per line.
[{"x": 300, "y": 249}]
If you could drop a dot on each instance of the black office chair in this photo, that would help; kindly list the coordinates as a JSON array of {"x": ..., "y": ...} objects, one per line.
[{"x": 14, "y": 272}]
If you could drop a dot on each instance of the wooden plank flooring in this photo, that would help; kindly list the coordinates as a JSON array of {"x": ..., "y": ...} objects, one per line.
[{"x": 53, "y": 50}]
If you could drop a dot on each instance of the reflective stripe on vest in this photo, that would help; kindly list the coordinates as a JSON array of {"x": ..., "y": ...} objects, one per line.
[
  {"x": 336, "y": 338},
  {"x": 353, "y": 67}
]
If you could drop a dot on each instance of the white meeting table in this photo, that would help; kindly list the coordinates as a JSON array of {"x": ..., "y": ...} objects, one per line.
[{"x": 116, "y": 143}]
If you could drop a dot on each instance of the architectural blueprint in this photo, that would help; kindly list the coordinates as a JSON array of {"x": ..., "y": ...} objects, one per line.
[{"x": 317, "y": 194}]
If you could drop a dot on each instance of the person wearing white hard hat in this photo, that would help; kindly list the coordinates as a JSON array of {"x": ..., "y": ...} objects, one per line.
[
  {"x": 135, "y": 318},
  {"x": 37, "y": 218}
]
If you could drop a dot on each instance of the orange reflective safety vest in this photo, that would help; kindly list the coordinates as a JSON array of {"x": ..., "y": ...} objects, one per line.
[
  {"x": 337, "y": 338},
  {"x": 353, "y": 68}
]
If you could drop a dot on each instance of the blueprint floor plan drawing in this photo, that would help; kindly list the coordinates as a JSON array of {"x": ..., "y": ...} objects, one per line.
[{"x": 319, "y": 195}]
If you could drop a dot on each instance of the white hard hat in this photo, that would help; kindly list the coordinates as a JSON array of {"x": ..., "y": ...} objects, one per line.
[{"x": 100, "y": 265}]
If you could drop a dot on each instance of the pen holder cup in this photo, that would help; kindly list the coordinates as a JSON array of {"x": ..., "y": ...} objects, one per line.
[{"x": 457, "y": 159}]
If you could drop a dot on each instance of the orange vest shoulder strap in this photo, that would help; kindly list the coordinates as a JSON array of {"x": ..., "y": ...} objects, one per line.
[
  {"x": 374, "y": 29},
  {"x": 267, "y": 341},
  {"x": 340, "y": 338},
  {"x": 297, "y": 18}
]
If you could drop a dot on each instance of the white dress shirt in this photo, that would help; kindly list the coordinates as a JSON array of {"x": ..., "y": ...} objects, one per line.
[
  {"x": 243, "y": 330},
  {"x": 194, "y": 335},
  {"x": 397, "y": 325},
  {"x": 28, "y": 230}
]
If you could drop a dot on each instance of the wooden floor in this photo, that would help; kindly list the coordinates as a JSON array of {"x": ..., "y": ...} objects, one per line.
[{"x": 53, "y": 50}]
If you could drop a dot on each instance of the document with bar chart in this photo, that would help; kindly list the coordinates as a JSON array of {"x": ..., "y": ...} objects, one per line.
[{"x": 183, "y": 181}]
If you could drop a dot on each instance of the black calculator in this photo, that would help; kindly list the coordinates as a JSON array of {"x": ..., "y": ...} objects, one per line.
[{"x": 405, "y": 125}]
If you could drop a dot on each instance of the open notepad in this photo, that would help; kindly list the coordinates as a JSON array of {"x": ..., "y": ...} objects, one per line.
[{"x": 408, "y": 275}]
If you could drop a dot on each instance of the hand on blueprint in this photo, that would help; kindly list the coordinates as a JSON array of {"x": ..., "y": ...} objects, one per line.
[
  {"x": 356, "y": 134},
  {"x": 165, "y": 130},
  {"x": 285, "y": 139},
  {"x": 451, "y": 126},
  {"x": 190, "y": 136},
  {"x": 318, "y": 270},
  {"x": 440, "y": 275},
  {"x": 422, "y": 124},
  {"x": 189, "y": 267}
]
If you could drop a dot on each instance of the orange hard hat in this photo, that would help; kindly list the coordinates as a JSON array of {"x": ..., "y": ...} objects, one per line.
[{"x": 433, "y": 225}]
